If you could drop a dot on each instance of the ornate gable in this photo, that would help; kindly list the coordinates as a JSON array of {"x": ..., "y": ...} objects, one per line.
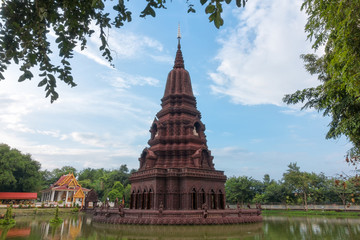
[
  {"x": 79, "y": 194},
  {"x": 68, "y": 180}
]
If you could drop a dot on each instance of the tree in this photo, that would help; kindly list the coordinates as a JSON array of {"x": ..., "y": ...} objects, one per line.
[
  {"x": 335, "y": 26},
  {"x": 117, "y": 191},
  {"x": 275, "y": 192},
  {"x": 25, "y": 27},
  {"x": 18, "y": 172},
  {"x": 127, "y": 193},
  {"x": 122, "y": 175},
  {"x": 103, "y": 181},
  {"x": 299, "y": 183},
  {"x": 241, "y": 189},
  {"x": 344, "y": 188}
]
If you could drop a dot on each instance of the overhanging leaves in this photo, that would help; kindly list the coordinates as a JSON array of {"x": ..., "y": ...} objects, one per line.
[{"x": 25, "y": 27}]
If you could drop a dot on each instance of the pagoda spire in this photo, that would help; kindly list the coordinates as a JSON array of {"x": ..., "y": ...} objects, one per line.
[{"x": 179, "y": 61}]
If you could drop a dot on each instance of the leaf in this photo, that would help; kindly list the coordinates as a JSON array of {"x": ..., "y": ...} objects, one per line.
[
  {"x": 42, "y": 83},
  {"x": 151, "y": 12},
  {"x": 51, "y": 79},
  {"x": 238, "y": 3},
  {"x": 204, "y": 1},
  {"x": 191, "y": 10},
  {"x": 218, "y": 22},
  {"x": 94, "y": 2},
  {"x": 212, "y": 17},
  {"x": 228, "y": 1},
  {"x": 54, "y": 96},
  {"x": 28, "y": 75},
  {"x": 210, "y": 8},
  {"x": 22, "y": 78},
  {"x": 16, "y": 60}
]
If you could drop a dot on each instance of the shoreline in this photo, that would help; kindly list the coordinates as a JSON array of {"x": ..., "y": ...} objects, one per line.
[
  {"x": 311, "y": 213},
  {"x": 39, "y": 211}
]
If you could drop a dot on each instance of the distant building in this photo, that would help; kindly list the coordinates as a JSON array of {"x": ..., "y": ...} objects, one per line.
[
  {"x": 66, "y": 189},
  {"x": 17, "y": 197}
]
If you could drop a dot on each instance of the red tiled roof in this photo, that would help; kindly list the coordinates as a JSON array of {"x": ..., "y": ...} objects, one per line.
[
  {"x": 18, "y": 195},
  {"x": 60, "y": 180},
  {"x": 63, "y": 184}
]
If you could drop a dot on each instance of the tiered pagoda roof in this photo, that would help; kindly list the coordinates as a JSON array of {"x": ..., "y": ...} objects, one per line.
[
  {"x": 177, "y": 133},
  {"x": 68, "y": 182}
]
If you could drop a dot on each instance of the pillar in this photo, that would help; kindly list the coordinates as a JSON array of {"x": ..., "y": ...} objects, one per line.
[
  {"x": 52, "y": 195},
  {"x": 67, "y": 195}
]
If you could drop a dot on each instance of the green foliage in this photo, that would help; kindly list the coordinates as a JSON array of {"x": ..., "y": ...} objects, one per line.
[
  {"x": 113, "y": 194},
  {"x": 75, "y": 210},
  {"x": 18, "y": 172},
  {"x": 127, "y": 193},
  {"x": 275, "y": 192},
  {"x": 335, "y": 26},
  {"x": 296, "y": 187},
  {"x": 299, "y": 183},
  {"x": 56, "y": 219},
  {"x": 310, "y": 213},
  {"x": 25, "y": 28},
  {"x": 118, "y": 186},
  {"x": 241, "y": 189},
  {"x": 107, "y": 183},
  {"x": 345, "y": 187},
  {"x": 8, "y": 218},
  {"x": 117, "y": 191}
]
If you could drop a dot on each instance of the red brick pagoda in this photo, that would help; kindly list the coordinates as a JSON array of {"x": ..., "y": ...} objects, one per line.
[
  {"x": 176, "y": 182},
  {"x": 177, "y": 170}
]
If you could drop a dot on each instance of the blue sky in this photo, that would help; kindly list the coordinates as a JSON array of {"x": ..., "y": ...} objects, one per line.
[{"x": 239, "y": 74}]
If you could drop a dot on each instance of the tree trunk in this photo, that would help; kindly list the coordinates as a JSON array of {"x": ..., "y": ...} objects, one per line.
[
  {"x": 305, "y": 201},
  {"x": 344, "y": 202}
]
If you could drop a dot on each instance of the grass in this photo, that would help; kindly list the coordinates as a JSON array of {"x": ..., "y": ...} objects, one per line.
[
  {"x": 37, "y": 211},
  {"x": 310, "y": 213}
]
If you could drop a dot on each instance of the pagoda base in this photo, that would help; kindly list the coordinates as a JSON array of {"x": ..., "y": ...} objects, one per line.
[{"x": 176, "y": 217}]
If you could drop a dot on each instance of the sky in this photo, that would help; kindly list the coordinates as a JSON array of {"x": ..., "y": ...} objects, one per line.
[{"x": 239, "y": 74}]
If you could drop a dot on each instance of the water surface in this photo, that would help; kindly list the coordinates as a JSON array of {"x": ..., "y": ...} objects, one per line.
[{"x": 82, "y": 227}]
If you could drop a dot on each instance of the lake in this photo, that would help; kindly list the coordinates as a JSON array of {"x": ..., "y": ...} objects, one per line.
[{"x": 82, "y": 227}]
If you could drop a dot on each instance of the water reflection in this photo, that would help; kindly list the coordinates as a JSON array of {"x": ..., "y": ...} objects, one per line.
[
  {"x": 311, "y": 228},
  {"x": 82, "y": 227},
  {"x": 40, "y": 228}
]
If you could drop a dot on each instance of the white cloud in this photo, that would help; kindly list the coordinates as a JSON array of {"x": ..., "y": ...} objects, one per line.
[
  {"x": 123, "y": 45},
  {"x": 123, "y": 80},
  {"x": 259, "y": 59},
  {"x": 95, "y": 127}
]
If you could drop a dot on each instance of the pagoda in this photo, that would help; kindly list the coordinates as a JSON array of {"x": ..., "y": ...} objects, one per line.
[
  {"x": 177, "y": 171},
  {"x": 177, "y": 183}
]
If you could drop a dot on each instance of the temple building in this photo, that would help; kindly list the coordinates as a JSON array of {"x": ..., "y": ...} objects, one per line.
[
  {"x": 177, "y": 171},
  {"x": 66, "y": 189}
]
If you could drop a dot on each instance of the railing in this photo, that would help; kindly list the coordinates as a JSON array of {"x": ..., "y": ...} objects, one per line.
[{"x": 323, "y": 207}]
